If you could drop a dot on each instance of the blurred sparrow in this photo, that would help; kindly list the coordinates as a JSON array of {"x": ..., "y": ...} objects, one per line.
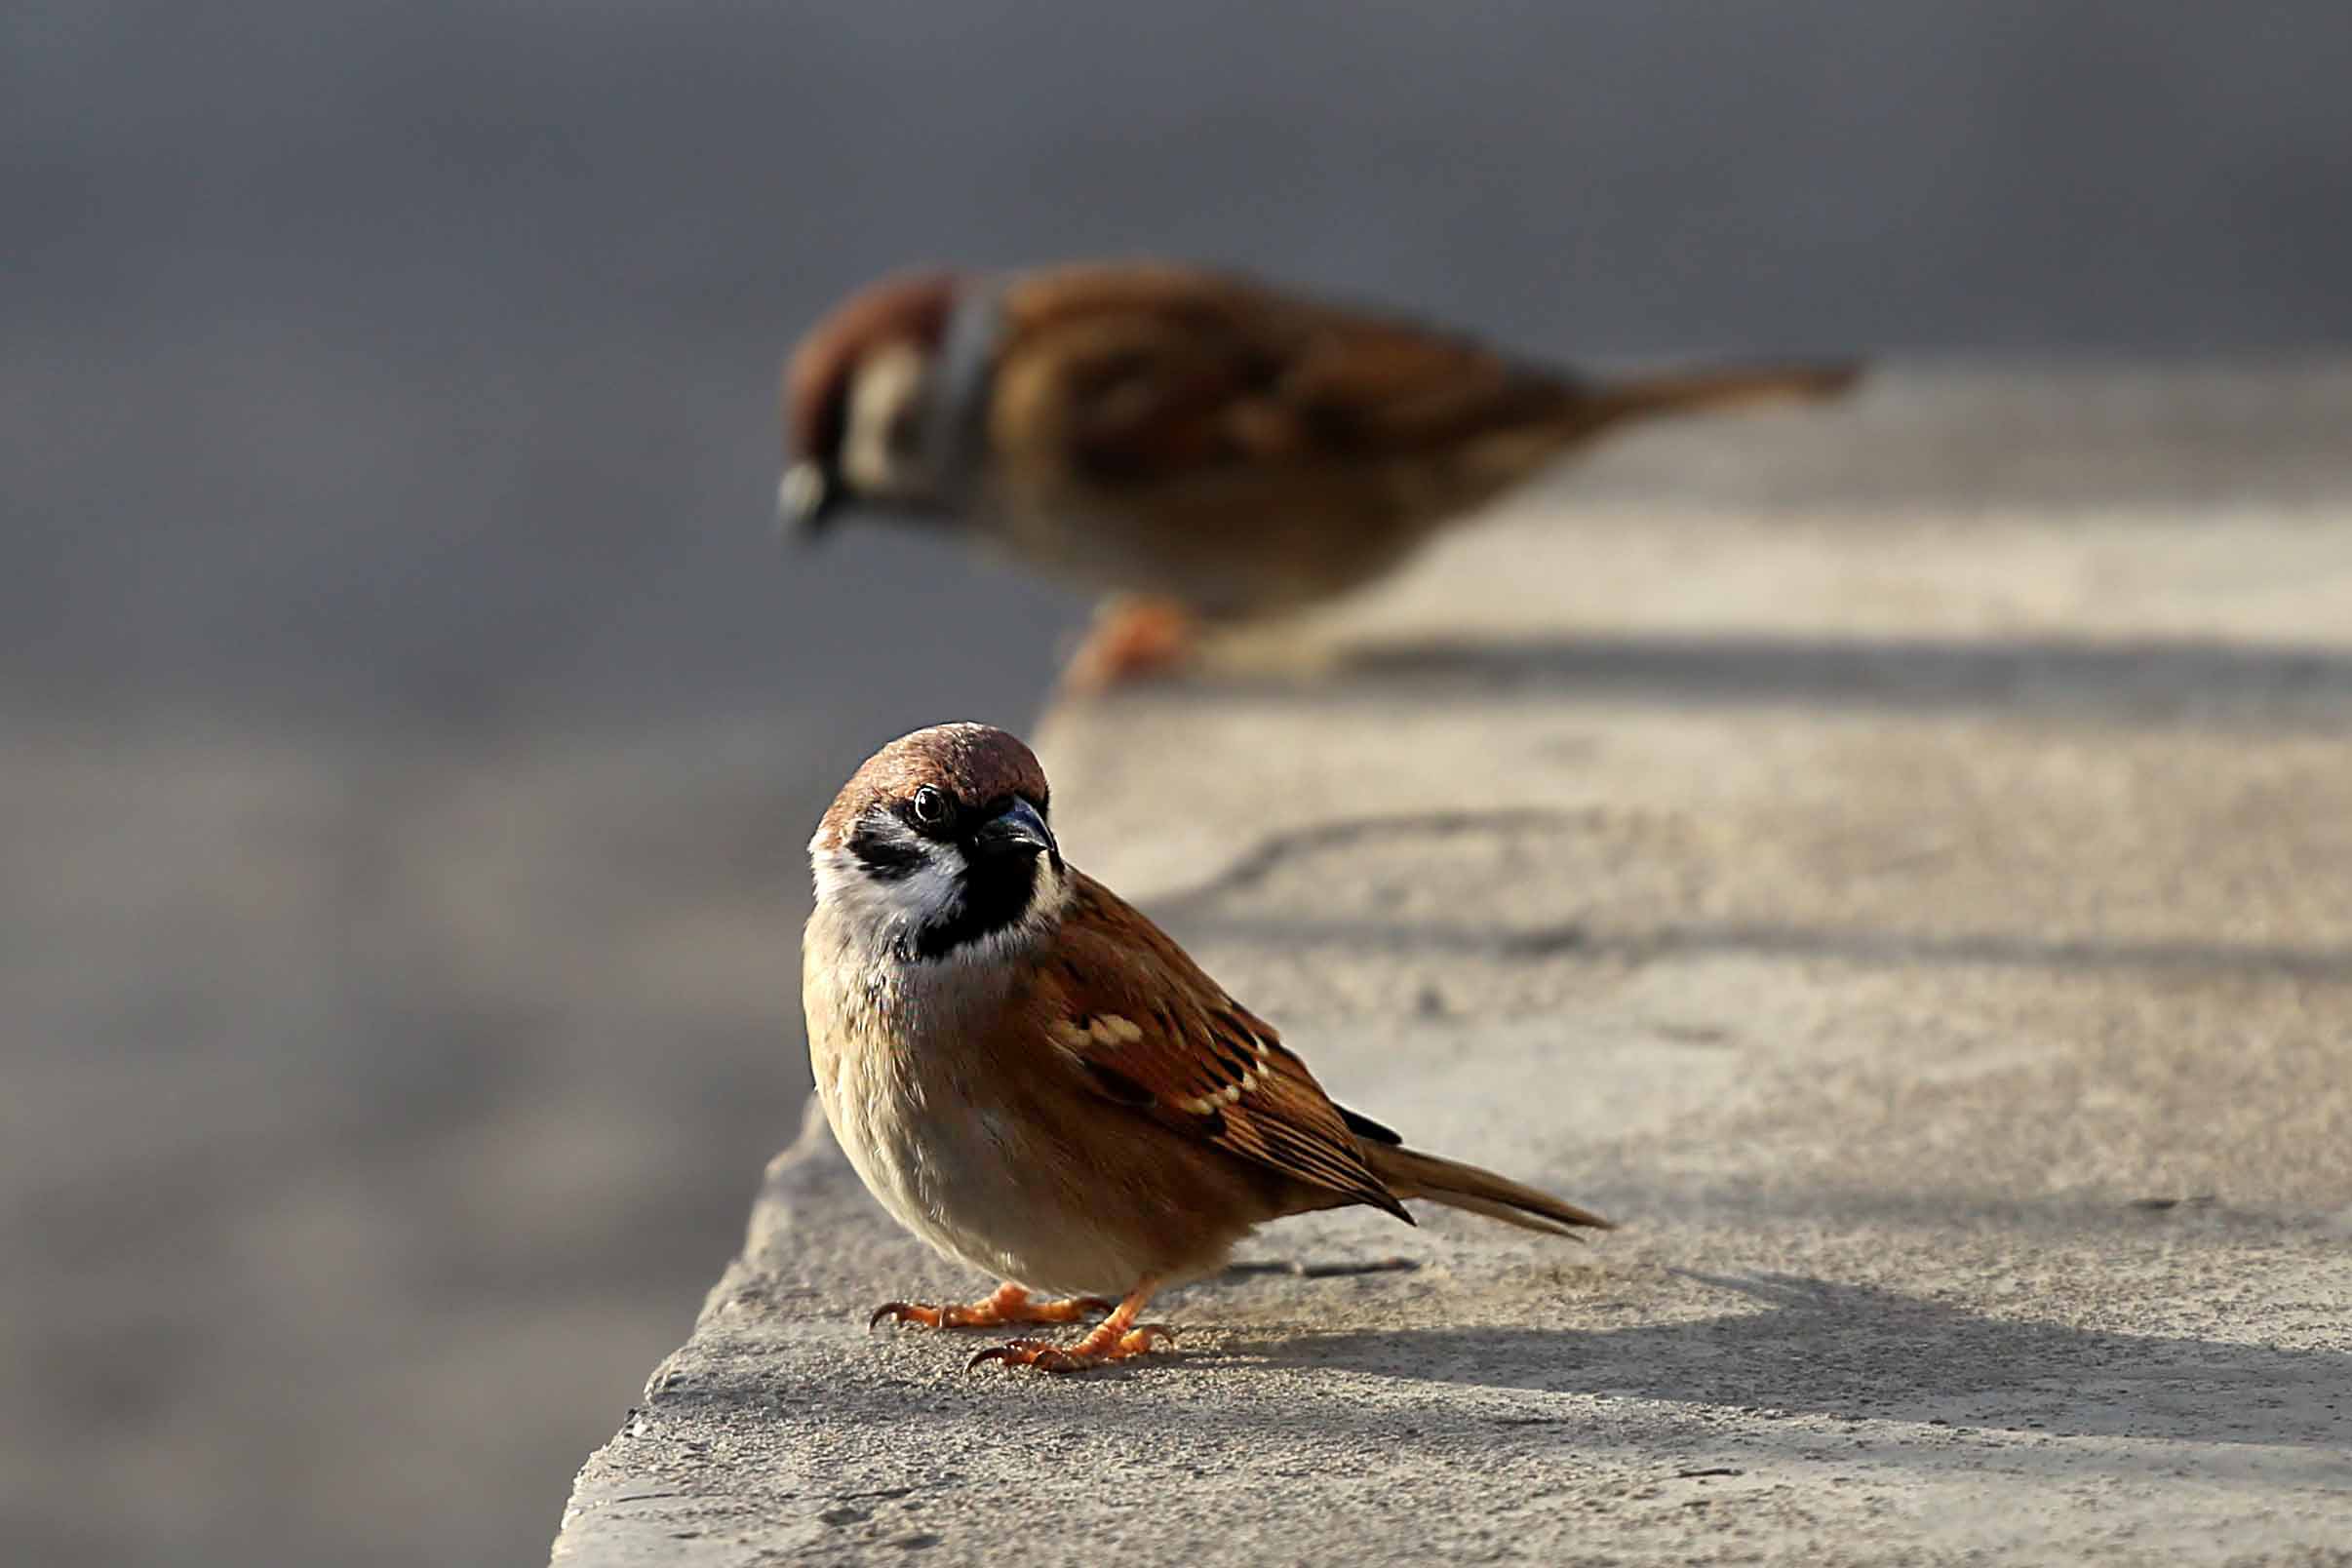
[
  {"x": 1031, "y": 1076},
  {"x": 1202, "y": 444}
]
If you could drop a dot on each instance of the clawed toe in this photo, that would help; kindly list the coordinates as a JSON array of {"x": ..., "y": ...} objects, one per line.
[
  {"x": 1080, "y": 1358},
  {"x": 1010, "y": 1305},
  {"x": 1028, "y": 1353},
  {"x": 1138, "y": 1340},
  {"x": 1114, "y": 1338}
]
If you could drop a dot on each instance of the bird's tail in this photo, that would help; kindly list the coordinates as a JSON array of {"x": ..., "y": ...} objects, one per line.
[
  {"x": 1410, "y": 1173},
  {"x": 1726, "y": 386}
]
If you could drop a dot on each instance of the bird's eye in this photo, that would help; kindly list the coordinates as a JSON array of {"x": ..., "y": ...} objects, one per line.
[{"x": 931, "y": 807}]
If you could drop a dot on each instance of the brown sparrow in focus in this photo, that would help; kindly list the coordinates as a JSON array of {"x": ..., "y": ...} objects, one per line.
[
  {"x": 1033, "y": 1078},
  {"x": 1199, "y": 444}
]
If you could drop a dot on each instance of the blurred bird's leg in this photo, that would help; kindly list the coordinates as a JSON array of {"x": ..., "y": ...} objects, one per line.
[
  {"x": 1009, "y": 1304},
  {"x": 1133, "y": 636}
]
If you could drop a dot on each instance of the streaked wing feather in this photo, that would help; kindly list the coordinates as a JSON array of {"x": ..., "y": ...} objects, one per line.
[
  {"x": 1154, "y": 1033},
  {"x": 1166, "y": 373}
]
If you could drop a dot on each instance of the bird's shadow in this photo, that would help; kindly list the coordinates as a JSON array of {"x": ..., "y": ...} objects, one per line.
[
  {"x": 1852, "y": 1351},
  {"x": 2142, "y": 679}
]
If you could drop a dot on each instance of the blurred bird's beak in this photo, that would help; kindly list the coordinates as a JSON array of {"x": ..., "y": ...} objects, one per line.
[{"x": 804, "y": 504}]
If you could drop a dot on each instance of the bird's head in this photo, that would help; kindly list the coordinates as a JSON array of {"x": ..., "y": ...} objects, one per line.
[
  {"x": 865, "y": 415},
  {"x": 938, "y": 848}
]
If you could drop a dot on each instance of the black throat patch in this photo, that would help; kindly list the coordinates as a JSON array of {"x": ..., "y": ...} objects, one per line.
[{"x": 996, "y": 893}]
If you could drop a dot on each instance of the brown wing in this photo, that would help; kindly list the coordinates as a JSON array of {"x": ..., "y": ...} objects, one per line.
[
  {"x": 1149, "y": 1029},
  {"x": 1151, "y": 374}
]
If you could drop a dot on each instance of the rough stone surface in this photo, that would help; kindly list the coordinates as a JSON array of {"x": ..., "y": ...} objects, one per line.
[{"x": 1923, "y": 916}]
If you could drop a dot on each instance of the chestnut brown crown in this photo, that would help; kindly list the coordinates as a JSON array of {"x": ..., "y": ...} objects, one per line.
[
  {"x": 976, "y": 765},
  {"x": 910, "y": 307}
]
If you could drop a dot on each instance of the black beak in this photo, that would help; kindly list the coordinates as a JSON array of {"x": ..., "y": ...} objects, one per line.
[
  {"x": 1019, "y": 829},
  {"x": 805, "y": 501}
]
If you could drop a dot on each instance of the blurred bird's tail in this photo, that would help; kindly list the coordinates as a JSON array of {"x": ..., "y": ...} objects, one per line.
[
  {"x": 1410, "y": 1173},
  {"x": 1690, "y": 391}
]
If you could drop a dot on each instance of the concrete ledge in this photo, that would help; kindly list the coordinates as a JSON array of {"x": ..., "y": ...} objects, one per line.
[{"x": 1928, "y": 925}]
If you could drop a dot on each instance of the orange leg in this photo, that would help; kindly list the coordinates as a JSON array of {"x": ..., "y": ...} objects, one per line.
[
  {"x": 1116, "y": 1338},
  {"x": 1009, "y": 1304},
  {"x": 1132, "y": 637}
]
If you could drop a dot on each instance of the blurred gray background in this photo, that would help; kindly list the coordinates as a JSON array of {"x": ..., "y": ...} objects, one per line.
[{"x": 411, "y": 731}]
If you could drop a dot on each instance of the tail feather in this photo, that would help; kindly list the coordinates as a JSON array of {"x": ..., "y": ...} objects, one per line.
[
  {"x": 1410, "y": 1173},
  {"x": 1690, "y": 390}
]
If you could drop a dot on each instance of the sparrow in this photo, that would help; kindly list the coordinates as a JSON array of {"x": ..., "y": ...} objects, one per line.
[
  {"x": 1203, "y": 445},
  {"x": 1036, "y": 1081}
]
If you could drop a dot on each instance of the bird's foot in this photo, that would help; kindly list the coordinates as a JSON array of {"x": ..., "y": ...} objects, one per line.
[
  {"x": 1116, "y": 1338},
  {"x": 1133, "y": 638},
  {"x": 1106, "y": 1344},
  {"x": 1008, "y": 1305}
]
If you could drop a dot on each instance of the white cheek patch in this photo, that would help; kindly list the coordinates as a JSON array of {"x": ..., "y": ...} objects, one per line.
[
  {"x": 885, "y": 909},
  {"x": 934, "y": 892},
  {"x": 884, "y": 398},
  {"x": 930, "y": 892}
]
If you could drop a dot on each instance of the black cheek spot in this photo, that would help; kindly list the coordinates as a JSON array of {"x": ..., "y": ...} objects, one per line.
[{"x": 883, "y": 856}]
